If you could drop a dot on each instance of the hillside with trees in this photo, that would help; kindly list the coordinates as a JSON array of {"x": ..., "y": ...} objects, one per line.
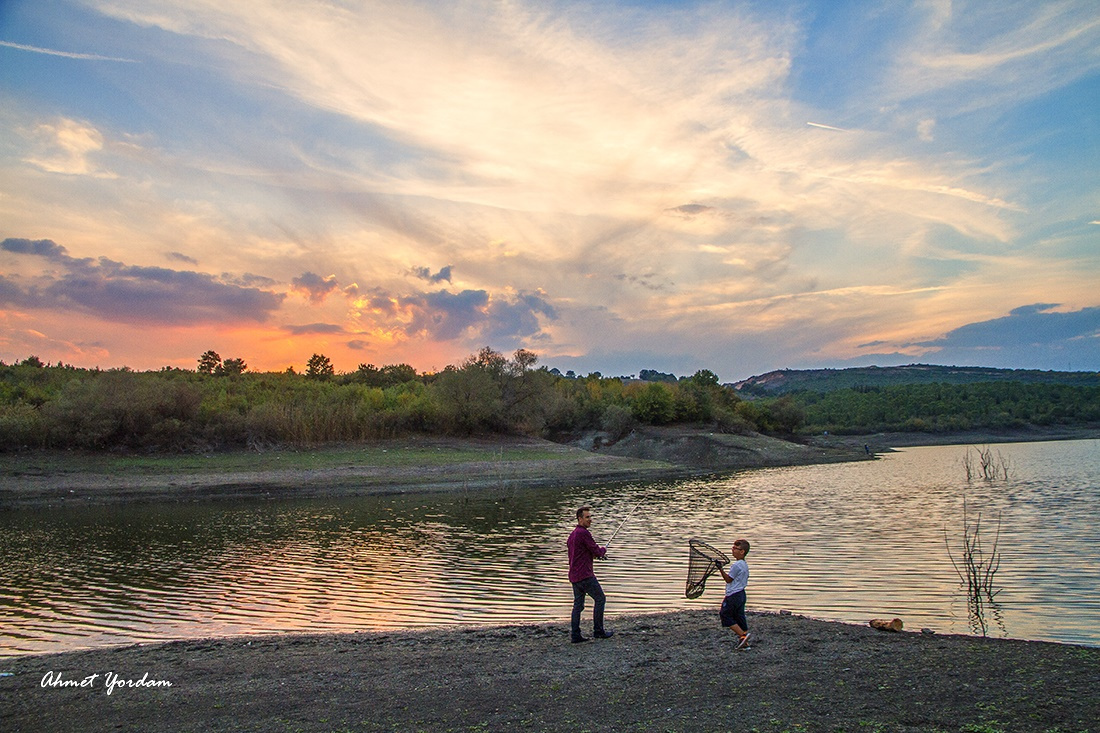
[
  {"x": 222, "y": 405},
  {"x": 784, "y": 381},
  {"x": 928, "y": 398}
]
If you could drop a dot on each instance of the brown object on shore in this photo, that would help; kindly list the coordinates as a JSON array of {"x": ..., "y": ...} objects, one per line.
[
  {"x": 677, "y": 671},
  {"x": 887, "y": 624}
]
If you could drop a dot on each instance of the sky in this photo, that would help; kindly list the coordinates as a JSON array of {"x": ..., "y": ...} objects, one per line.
[{"x": 615, "y": 186}]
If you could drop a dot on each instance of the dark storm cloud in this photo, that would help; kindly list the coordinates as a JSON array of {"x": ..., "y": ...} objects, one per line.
[
  {"x": 315, "y": 286},
  {"x": 1026, "y": 326},
  {"x": 133, "y": 294}
]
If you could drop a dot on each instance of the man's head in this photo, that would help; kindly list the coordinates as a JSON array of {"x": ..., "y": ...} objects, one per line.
[
  {"x": 740, "y": 548},
  {"x": 584, "y": 516}
]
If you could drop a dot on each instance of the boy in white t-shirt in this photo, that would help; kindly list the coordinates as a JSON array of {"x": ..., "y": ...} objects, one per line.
[{"x": 732, "y": 612}]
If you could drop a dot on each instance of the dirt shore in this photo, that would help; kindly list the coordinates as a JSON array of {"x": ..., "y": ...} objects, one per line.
[
  {"x": 416, "y": 464},
  {"x": 429, "y": 464},
  {"x": 668, "y": 672}
]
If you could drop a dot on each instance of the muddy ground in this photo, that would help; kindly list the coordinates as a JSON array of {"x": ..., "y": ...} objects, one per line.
[{"x": 669, "y": 672}]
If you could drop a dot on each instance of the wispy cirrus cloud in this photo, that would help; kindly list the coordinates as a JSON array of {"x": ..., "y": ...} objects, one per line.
[{"x": 66, "y": 54}]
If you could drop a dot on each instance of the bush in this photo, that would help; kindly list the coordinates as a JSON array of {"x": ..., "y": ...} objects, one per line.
[{"x": 617, "y": 421}]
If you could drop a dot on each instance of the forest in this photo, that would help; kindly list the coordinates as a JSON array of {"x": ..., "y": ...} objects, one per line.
[{"x": 220, "y": 405}]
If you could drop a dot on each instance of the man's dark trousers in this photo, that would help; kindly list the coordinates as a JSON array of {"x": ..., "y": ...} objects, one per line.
[{"x": 590, "y": 587}]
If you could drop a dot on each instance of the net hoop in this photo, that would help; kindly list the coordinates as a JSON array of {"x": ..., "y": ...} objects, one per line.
[{"x": 701, "y": 563}]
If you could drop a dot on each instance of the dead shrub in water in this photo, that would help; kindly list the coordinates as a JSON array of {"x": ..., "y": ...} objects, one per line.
[
  {"x": 976, "y": 568},
  {"x": 985, "y": 464}
]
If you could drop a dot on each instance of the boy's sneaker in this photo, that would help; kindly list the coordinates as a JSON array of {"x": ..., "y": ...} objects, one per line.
[{"x": 744, "y": 643}]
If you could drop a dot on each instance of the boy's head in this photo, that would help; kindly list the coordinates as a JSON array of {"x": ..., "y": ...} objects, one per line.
[{"x": 742, "y": 545}]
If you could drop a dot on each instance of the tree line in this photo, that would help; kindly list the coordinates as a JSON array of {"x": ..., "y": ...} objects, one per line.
[
  {"x": 222, "y": 405},
  {"x": 943, "y": 407}
]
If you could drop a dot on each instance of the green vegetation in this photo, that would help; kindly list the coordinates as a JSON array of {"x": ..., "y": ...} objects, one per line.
[
  {"x": 221, "y": 405},
  {"x": 946, "y": 407},
  {"x": 784, "y": 381}
]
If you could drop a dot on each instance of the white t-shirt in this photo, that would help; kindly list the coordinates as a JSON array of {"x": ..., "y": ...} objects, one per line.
[{"x": 739, "y": 577}]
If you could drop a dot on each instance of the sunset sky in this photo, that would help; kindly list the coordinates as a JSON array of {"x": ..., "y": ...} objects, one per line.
[{"x": 615, "y": 185}]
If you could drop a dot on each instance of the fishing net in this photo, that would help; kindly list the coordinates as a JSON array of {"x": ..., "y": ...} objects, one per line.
[{"x": 702, "y": 559}]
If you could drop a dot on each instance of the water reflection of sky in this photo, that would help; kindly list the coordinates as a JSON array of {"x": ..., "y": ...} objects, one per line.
[{"x": 848, "y": 542}]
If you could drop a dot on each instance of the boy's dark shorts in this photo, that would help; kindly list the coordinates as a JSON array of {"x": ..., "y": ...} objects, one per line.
[{"x": 733, "y": 610}]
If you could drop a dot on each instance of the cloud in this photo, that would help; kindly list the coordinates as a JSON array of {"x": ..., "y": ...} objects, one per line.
[
  {"x": 424, "y": 273},
  {"x": 445, "y": 316},
  {"x": 996, "y": 54},
  {"x": 691, "y": 210},
  {"x": 660, "y": 173},
  {"x": 315, "y": 287},
  {"x": 67, "y": 147},
  {"x": 827, "y": 127},
  {"x": 39, "y": 247},
  {"x": 180, "y": 257},
  {"x": 513, "y": 320},
  {"x": 314, "y": 328},
  {"x": 66, "y": 54},
  {"x": 1027, "y": 326},
  {"x": 474, "y": 314},
  {"x": 132, "y": 294}
]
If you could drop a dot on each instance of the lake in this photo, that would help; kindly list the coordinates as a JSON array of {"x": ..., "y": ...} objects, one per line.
[{"x": 848, "y": 542}]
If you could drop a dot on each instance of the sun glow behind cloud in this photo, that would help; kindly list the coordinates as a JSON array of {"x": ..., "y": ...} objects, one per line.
[{"x": 404, "y": 182}]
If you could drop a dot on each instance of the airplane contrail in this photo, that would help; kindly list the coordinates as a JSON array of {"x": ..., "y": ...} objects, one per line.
[
  {"x": 827, "y": 127},
  {"x": 65, "y": 54}
]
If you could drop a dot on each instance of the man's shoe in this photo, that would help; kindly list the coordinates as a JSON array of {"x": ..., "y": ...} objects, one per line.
[
  {"x": 577, "y": 639},
  {"x": 604, "y": 635},
  {"x": 744, "y": 643}
]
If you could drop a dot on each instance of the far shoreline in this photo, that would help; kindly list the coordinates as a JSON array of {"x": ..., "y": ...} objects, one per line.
[{"x": 431, "y": 464}]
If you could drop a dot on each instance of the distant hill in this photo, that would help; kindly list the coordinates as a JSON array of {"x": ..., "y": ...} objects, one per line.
[{"x": 828, "y": 380}]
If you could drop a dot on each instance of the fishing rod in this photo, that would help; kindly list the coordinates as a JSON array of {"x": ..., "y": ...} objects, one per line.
[{"x": 608, "y": 543}]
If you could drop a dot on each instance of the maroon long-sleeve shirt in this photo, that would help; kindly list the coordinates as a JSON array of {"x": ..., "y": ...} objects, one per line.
[{"x": 582, "y": 548}]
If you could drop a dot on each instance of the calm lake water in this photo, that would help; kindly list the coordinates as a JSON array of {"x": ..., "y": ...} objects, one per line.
[{"x": 846, "y": 542}]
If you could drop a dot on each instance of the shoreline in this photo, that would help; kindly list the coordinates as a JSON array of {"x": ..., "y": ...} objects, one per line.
[
  {"x": 45, "y": 479},
  {"x": 668, "y": 671}
]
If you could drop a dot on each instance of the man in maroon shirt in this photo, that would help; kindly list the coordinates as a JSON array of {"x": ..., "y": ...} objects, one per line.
[{"x": 582, "y": 549}]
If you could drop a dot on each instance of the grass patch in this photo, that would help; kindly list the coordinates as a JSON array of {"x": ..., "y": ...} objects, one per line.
[{"x": 56, "y": 463}]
